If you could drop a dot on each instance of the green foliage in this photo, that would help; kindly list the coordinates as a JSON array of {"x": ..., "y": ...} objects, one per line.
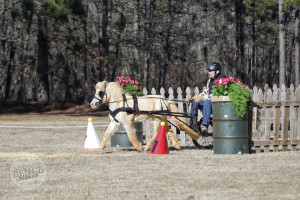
[
  {"x": 56, "y": 11},
  {"x": 239, "y": 95},
  {"x": 131, "y": 89},
  {"x": 218, "y": 5},
  {"x": 161, "y": 4},
  {"x": 265, "y": 10},
  {"x": 59, "y": 10},
  {"x": 56, "y": 28},
  {"x": 28, "y": 7},
  {"x": 76, "y": 6},
  {"x": 288, "y": 2},
  {"x": 240, "y": 98},
  {"x": 15, "y": 13}
]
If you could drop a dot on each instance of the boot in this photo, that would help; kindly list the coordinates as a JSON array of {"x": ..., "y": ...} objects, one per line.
[{"x": 204, "y": 129}]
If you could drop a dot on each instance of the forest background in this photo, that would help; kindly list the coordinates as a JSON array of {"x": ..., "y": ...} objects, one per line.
[{"x": 56, "y": 50}]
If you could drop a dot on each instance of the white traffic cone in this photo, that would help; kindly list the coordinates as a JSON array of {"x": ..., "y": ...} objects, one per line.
[{"x": 92, "y": 141}]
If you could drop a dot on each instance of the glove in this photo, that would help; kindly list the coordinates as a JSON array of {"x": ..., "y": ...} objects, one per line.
[
  {"x": 196, "y": 98},
  {"x": 192, "y": 98},
  {"x": 199, "y": 98}
]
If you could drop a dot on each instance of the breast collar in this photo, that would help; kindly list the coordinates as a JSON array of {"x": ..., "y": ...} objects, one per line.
[{"x": 126, "y": 108}]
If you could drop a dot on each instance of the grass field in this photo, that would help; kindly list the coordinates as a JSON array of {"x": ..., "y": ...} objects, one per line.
[{"x": 123, "y": 173}]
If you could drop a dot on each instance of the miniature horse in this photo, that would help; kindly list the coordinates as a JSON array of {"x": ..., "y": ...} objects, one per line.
[{"x": 127, "y": 109}]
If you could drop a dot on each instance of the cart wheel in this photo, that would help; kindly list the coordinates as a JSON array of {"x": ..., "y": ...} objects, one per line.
[{"x": 205, "y": 141}]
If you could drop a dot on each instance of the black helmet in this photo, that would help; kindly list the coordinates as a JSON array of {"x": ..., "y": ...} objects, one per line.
[{"x": 214, "y": 66}]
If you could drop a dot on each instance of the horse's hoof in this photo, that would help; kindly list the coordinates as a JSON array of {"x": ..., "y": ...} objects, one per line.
[
  {"x": 147, "y": 148},
  {"x": 140, "y": 149},
  {"x": 177, "y": 146}
]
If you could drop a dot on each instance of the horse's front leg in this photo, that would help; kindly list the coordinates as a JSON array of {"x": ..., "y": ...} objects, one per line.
[
  {"x": 111, "y": 130},
  {"x": 131, "y": 132}
]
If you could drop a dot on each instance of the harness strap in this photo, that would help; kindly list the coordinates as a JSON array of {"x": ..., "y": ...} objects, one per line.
[
  {"x": 136, "y": 110},
  {"x": 127, "y": 109},
  {"x": 135, "y": 103}
]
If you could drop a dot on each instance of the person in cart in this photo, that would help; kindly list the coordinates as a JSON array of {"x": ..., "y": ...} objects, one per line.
[{"x": 202, "y": 101}]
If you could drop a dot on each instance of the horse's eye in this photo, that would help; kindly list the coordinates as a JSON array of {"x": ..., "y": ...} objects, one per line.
[{"x": 100, "y": 94}]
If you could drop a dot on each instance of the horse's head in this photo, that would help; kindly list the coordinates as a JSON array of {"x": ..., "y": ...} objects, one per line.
[{"x": 100, "y": 95}]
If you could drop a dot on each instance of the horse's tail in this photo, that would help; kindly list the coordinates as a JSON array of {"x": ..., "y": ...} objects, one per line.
[{"x": 181, "y": 122}]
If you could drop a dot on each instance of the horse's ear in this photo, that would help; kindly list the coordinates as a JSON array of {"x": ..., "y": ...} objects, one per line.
[{"x": 104, "y": 83}]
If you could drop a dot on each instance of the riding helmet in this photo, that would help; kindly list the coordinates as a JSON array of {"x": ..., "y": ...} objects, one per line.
[{"x": 214, "y": 66}]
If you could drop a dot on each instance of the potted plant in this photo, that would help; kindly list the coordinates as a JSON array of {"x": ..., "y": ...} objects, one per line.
[
  {"x": 236, "y": 92},
  {"x": 120, "y": 138},
  {"x": 231, "y": 102}
]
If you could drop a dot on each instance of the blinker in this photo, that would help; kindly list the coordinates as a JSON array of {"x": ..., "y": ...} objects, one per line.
[{"x": 101, "y": 94}]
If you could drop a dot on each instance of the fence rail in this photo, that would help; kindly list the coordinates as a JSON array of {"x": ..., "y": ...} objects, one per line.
[{"x": 275, "y": 117}]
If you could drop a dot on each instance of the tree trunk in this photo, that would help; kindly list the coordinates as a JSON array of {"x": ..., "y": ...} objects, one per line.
[
  {"x": 9, "y": 71},
  {"x": 252, "y": 70},
  {"x": 297, "y": 47},
  {"x": 42, "y": 66},
  {"x": 105, "y": 39},
  {"x": 240, "y": 38},
  {"x": 281, "y": 45},
  {"x": 85, "y": 64}
]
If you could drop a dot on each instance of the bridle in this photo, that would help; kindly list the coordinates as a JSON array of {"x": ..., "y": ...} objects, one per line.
[{"x": 101, "y": 94}]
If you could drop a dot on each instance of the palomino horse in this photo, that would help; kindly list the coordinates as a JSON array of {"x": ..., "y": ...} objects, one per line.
[{"x": 128, "y": 109}]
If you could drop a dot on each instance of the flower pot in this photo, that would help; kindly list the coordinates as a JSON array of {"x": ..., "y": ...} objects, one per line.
[
  {"x": 230, "y": 133},
  {"x": 220, "y": 98},
  {"x": 120, "y": 138}
]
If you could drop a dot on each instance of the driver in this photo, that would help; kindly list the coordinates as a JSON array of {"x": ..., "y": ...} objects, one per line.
[{"x": 203, "y": 100}]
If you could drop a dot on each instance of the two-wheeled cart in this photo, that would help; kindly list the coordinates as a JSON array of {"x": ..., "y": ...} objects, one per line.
[{"x": 204, "y": 141}]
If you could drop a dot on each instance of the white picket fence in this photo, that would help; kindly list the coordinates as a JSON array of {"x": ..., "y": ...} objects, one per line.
[{"x": 275, "y": 117}]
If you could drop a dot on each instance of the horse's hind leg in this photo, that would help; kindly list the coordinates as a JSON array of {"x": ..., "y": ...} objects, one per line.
[
  {"x": 131, "y": 132},
  {"x": 156, "y": 125},
  {"x": 171, "y": 135},
  {"x": 169, "y": 131}
]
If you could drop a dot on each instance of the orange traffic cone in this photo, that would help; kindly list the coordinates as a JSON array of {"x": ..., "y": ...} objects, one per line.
[
  {"x": 160, "y": 145},
  {"x": 92, "y": 141}
]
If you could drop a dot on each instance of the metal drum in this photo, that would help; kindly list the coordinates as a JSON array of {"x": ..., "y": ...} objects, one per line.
[
  {"x": 230, "y": 134},
  {"x": 120, "y": 138}
]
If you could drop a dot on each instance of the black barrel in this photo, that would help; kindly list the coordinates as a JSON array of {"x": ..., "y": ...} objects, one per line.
[
  {"x": 120, "y": 138},
  {"x": 230, "y": 133}
]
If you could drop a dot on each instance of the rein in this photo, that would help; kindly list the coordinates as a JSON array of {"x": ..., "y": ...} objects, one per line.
[{"x": 175, "y": 100}]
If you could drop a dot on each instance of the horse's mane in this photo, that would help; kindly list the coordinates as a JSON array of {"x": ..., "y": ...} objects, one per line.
[{"x": 115, "y": 88}]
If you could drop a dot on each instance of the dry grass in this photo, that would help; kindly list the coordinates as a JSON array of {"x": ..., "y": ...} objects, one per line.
[{"x": 123, "y": 173}]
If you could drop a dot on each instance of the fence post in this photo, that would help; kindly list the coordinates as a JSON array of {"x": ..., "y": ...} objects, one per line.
[
  {"x": 171, "y": 97},
  {"x": 268, "y": 119}
]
